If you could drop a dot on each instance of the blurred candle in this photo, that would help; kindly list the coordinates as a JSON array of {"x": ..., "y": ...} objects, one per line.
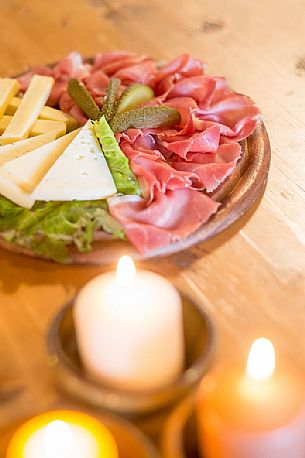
[
  {"x": 62, "y": 434},
  {"x": 256, "y": 414},
  {"x": 129, "y": 328}
]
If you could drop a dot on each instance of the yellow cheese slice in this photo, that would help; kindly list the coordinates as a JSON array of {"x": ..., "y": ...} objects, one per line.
[
  {"x": 28, "y": 170},
  {"x": 48, "y": 113},
  {"x": 8, "y": 89},
  {"x": 13, "y": 192},
  {"x": 29, "y": 109},
  {"x": 17, "y": 149},
  {"x": 41, "y": 126}
]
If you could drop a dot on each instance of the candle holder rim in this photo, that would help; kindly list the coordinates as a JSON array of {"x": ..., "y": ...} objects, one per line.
[
  {"x": 189, "y": 375},
  {"x": 66, "y": 370}
]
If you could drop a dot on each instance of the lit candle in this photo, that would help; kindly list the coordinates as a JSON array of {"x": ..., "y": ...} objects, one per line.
[
  {"x": 62, "y": 434},
  {"x": 130, "y": 329},
  {"x": 256, "y": 414}
]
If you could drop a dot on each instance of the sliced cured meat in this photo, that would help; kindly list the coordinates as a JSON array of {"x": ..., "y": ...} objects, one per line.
[
  {"x": 236, "y": 112},
  {"x": 206, "y": 141},
  {"x": 72, "y": 66},
  {"x": 170, "y": 217},
  {"x": 25, "y": 79},
  {"x": 182, "y": 66},
  {"x": 186, "y": 106},
  {"x": 199, "y": 88},
  {"x": 154, "y": 172},
  {"x": 66, "y": 103},
  {"x": 78, "y": 114},
  {"x": 209, "y": 170},
  {"x": 59, "y": 89},
  {"x": 114, "y": 61},
  {"x": 144, "y": 72},
  {"x": 97, "y": 82}
]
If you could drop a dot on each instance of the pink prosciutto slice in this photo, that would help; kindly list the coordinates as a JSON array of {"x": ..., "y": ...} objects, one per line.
[
  {"x": 171, "y": 217},
  {"x": 206, "y": 141},
  {"x": 208, "y": 171},
  {"x": 154, "y": 172}
]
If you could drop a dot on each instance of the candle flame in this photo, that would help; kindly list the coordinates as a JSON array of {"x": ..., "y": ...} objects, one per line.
[
  {"x": 126, "y": 271},
  {"x": 58, "y": 441},
  {"x": 261, "y": 360}
]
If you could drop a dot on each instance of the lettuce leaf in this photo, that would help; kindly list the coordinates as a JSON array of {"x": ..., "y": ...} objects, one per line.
[
  {"x": 118, "y": 164},
  {"x": 50, "y": 228}
]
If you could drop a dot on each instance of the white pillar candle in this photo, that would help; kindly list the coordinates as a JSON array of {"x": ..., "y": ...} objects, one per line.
[{"x": 129, "y": 327}]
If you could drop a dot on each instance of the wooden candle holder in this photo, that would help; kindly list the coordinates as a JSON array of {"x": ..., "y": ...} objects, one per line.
[{"x": 71, "y": 377}]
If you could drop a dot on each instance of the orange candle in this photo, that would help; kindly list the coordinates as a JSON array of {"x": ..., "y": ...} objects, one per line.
[
  {"x": 254, "y": 413},
  {"x": 62, "y": 434}
]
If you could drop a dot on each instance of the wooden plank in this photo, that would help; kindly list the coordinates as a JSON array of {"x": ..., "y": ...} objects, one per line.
[{"x": 252, "y": 278}]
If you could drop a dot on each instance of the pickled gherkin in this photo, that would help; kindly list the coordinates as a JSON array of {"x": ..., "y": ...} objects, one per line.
[
  {"x": 134, "y": 96},
  {"x": 83, "y": 99},
  {"x": 110, "y": 98},
  {"x": 139, "y": 118}
]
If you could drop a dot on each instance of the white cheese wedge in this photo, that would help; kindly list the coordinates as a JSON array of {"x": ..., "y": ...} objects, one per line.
[
  {"x": 29, "y": 109},
  {"x": 81, "y": 173},
  {"x": 28, "y": 170},
  {"x": 17, "y": 149},
  {"x": 41, "y": 126},
  {"x": 8, "y": 89},
  {"x": 48, "y": 113},
  {"x": 13, "y": 192}
]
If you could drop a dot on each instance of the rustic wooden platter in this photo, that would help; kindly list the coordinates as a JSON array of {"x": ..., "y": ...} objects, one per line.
[{"x": 237, "y": 194}]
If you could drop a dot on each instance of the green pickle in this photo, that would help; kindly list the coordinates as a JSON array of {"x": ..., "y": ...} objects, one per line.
[
  {"x": 134, "y": 96},
  {"x": 139, "y": 118},
  {"x": 83, "y": 99},
  {"x": 110, "y": 98}
]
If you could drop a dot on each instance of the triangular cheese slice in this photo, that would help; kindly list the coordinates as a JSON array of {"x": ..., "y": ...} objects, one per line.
[
  {"x": 13, "y": 192},
  {"x": 28, "y": 170},
  {"x": 15, "y": 150},
  {"x": 81, "y": 173}
]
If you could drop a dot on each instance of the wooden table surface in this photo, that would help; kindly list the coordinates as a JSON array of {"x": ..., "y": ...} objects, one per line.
[{"x": 250, "y": 279}]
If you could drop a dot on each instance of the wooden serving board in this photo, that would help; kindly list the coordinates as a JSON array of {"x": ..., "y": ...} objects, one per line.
[{"x": 237, "y": 194}]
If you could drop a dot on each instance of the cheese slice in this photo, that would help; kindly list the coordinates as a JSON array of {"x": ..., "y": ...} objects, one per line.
[
  {"x": 8, "y": 88},
  {"x": 13, "y": 192},
  {"x": 29, "y": 109},
  {"x": 28, "y": 170},
  {"x": 17, "y": 149},
  {"x": 81, "y": 172},
  {"x": 48, "y": 113},
  {"x": 41, "y": 126}
]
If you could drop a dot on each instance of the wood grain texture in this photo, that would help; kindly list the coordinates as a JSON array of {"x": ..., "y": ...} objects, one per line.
[{"x": 250, "y": 279}]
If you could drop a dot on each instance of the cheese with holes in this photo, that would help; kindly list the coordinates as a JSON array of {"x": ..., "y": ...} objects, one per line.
[
  {"x": 48, "y": 113},
  {"x": 8, "y": 89},
  {"x": 81, "y": 173},
  {"x": 17, "y": 149},
  {"x": 13, "y": 192},
  {"x": 28, "y": 111},
  {"x": 41, "y": 126},
  {"x": 28, "y": 170}
]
